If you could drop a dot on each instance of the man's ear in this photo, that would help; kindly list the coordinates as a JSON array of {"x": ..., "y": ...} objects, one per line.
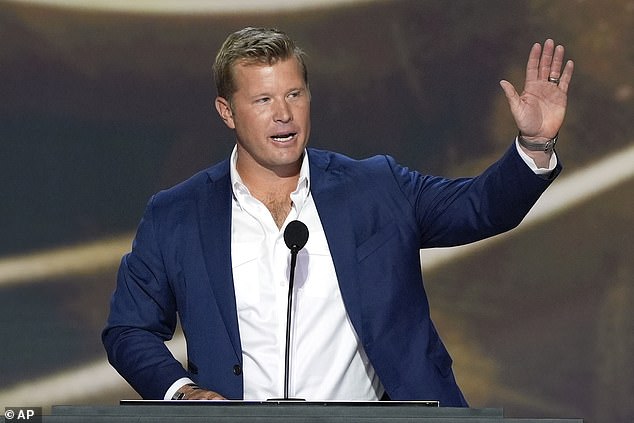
[{"x": 224, "y": 110}]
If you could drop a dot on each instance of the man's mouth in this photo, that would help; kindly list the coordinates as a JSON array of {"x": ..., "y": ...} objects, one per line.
[{"x": 284, "y": 137}]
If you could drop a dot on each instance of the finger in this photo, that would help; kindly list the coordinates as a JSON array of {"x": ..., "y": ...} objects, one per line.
[
  {"x": 215, "y": 396},
  {"x": 546, "y": 60},
  {"x": 203, "y": 394},
  {"x": 532, "y": 66},
  {"x": 557, "y": 62},
  {"x": 511, "y": 94},
  {"x": 566, "y": 76}
]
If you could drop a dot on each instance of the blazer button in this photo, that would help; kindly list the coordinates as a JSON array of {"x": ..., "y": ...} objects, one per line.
[{"x": 237, "y": 370}]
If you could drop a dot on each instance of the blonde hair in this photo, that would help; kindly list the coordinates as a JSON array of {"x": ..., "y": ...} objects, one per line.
[{"x": 253, "y": 45}]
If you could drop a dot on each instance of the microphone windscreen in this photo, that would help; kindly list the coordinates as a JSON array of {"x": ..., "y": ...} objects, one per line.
[{"x": 295, "y": 235}]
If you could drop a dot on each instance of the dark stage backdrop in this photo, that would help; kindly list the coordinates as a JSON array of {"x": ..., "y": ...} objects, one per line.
[{"x": 101, "y": 108}]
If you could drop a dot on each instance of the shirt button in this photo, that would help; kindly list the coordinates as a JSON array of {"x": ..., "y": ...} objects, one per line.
[{"x": 237, "y": 370}]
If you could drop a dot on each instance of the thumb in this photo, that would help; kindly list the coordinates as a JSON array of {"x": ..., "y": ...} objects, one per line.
[{"x": 511, "y": 95}]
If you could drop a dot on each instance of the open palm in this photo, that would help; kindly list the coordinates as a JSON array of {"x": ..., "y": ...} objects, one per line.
[{"x": 539, "y": 111}]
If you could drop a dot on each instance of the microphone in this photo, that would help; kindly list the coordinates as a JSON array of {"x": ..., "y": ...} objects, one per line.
[{"x": 295, "y": 237}]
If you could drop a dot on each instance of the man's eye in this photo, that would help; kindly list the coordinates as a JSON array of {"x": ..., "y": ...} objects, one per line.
[{"x": 262, "y": 100}]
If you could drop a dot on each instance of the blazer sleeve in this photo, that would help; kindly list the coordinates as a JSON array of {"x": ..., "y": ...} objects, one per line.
[
  {"x": 452, "y": 212},
  {"x": 142, "y": 317}
]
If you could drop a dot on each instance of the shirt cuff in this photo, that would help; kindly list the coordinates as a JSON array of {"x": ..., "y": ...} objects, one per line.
[
  {"x": 531, "y": 163},
  {"x": 175, "y": 387}
]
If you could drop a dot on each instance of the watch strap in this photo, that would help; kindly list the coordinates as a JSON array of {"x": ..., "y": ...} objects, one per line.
[
  {"x": 179, "y": 395},
  {"x": 546, "y": 147}
]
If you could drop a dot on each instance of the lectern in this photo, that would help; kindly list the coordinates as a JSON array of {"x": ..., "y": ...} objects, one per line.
[{"x": 282, "y": 411}]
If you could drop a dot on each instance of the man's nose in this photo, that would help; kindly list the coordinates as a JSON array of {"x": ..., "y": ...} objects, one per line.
[{"x": 282, "y": 112}]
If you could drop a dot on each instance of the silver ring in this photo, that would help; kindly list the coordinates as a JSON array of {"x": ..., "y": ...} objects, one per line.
[{"x": 553, "y": 80}]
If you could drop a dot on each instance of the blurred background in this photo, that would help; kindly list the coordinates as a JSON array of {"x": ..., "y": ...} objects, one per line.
[{"x": 102, "y": 103}]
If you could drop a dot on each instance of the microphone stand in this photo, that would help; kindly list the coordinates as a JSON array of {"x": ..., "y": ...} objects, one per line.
[
  {"x": 295, "y": 237},
  {"x": 291, "y": 282}
]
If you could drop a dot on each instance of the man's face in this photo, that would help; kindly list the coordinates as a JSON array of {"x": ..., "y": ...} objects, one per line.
[{"x": 270, "y": 112}]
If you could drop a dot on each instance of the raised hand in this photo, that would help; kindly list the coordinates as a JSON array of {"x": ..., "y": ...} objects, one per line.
[{"x": 539, "y": 111}]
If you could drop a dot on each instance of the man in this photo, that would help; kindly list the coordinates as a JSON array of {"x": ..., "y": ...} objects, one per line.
[{"x": 210, "y": 250}]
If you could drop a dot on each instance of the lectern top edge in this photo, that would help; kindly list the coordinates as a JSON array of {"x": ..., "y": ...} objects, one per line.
[{"x": 282, "y": 402}]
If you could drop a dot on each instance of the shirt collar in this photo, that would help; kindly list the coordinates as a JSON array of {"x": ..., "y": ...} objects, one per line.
[{"x": 240, "y": 190}]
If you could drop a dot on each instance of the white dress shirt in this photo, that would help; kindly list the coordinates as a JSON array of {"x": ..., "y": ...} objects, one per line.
[{"x": 327, "y": 361}]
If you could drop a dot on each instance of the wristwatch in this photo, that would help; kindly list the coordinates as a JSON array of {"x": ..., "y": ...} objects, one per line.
[
  {"x": 546, "y": 147},
  {"x": 179, "y": 395}
]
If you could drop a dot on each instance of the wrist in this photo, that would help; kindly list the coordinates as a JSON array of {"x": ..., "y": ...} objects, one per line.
[
  {"x": 546, "y": 146},
  {"x": 184, "y": 391}
]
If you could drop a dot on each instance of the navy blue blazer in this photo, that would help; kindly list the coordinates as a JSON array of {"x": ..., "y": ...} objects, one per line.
[{"x": 376, "y": 214}]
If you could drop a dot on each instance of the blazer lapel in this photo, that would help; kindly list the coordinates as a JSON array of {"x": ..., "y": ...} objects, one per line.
[
  {"x": 215, "y": 236},
  {"x": 332, "y": 199}
]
